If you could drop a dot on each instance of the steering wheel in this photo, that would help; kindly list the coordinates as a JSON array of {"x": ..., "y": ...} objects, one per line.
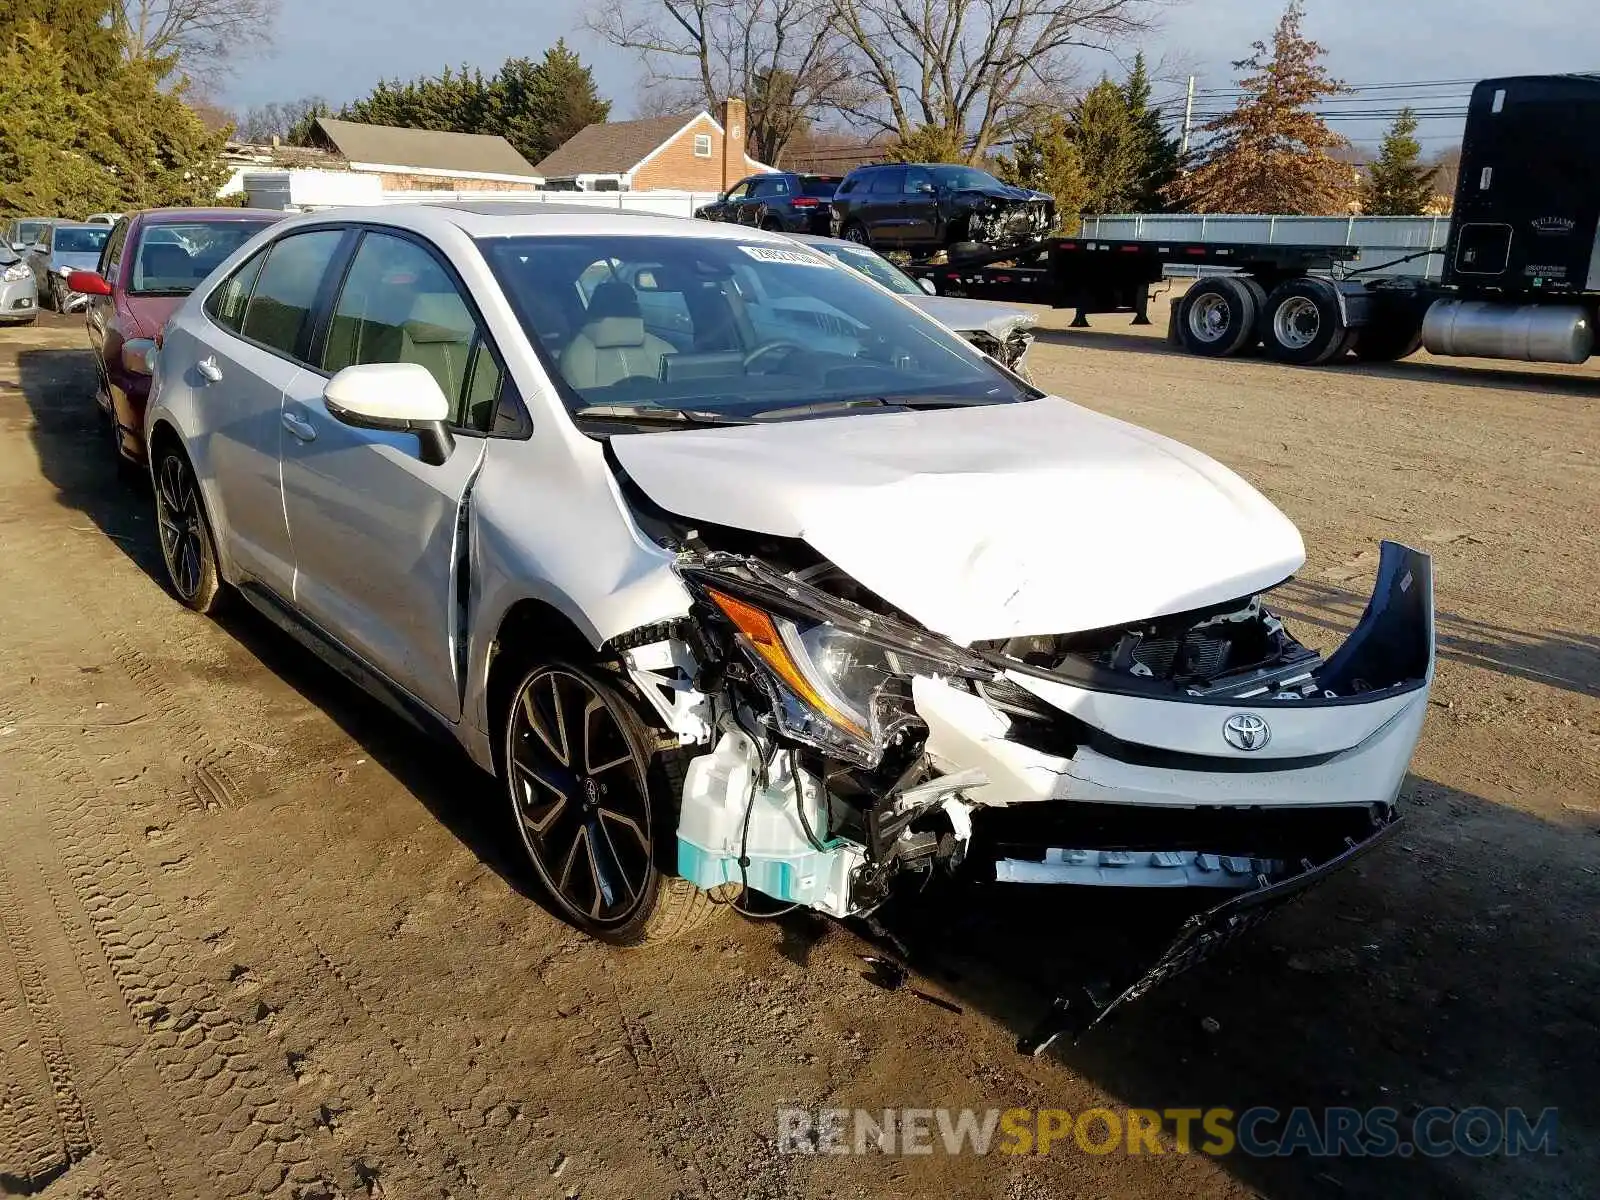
[{"x": 776, "y": 347}]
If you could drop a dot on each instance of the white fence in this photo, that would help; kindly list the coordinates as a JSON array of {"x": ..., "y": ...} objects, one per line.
[
  {"x": 308, "y": 190},
  {"x": 1381, "y": 240}
]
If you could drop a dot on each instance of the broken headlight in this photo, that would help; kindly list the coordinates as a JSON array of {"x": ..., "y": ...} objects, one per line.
[{"x": 836, "y": 674}]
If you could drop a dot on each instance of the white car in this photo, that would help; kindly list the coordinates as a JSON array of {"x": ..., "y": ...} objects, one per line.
[
  {"x": 723, "y": 612},
  {"x": 1002, "y": 331}
]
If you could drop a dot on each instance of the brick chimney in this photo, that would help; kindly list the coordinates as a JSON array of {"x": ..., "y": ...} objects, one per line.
[{"x": 733, "y": 123}]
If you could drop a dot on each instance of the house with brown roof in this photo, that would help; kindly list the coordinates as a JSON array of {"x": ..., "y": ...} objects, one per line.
[
  {"x": 426, "y": 159},
  {"x": 690, "y": 152}
]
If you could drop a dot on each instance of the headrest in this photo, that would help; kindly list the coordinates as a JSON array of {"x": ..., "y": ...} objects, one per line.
[
  {"x": 166, "y": 260},
  {"x": 613, "y": 299},
  {"x": 613, "y": 333}
]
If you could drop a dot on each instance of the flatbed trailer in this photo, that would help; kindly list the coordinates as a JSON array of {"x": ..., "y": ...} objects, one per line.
[
  {"x": 1522, "y": 267},
  {"x": 1107, "y": 275}
]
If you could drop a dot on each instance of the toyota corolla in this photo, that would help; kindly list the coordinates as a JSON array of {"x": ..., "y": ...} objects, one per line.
[{"x": 730, "y": 609}]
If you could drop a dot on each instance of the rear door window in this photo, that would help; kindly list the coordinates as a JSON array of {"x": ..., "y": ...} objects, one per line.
[
  {"x": 889, "y": 182},
  {"x": 278, "y": 315}
]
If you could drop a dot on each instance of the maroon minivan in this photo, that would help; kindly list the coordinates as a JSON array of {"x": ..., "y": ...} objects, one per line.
[{"x": 151, "y": 261}]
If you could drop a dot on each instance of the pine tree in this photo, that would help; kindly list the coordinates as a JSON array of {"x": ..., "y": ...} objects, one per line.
[
  {"x": 1271, "y": 153},
  {"x": 536, "y": 106},
  {"x": 1159, "y": 152},
  {"x": 80, "y": 29},
  {"x": 127, "y": 142},
  {"x": 1109, "y": 145},
  {"x": 539, "y": 105},
  {"x": 1398, "y": 184},
  {"x": 1046, "y": 158}
]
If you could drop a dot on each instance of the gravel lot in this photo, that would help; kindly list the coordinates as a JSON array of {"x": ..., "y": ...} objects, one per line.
[{"x": 257, "y": 940}]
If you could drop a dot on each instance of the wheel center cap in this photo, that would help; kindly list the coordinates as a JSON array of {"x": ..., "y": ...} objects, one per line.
[{"x": 591, "y": 794}]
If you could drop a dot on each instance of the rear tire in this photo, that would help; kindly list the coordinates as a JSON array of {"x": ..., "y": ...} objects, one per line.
[
  {"x": 187, "y": 545},
  {"x": 1303, "y": 324},
  {"x": 595, "y": 811},
  {"x": 1217, "y": 316}
]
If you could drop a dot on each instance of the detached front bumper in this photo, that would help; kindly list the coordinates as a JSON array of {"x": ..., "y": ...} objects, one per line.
[{"x": 1347, "y": 744}]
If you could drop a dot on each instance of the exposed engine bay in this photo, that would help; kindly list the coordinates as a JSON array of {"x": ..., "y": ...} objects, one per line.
[{"x": 820, "y": 776}]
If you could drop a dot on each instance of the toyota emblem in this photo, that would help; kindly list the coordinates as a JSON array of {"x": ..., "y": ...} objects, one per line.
[{"x": 1246, "y": 731}]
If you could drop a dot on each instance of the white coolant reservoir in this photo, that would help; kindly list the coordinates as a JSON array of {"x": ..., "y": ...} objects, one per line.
[{"x": 784, "y": 864}]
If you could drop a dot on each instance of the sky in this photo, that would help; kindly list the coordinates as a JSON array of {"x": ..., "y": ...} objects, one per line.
[{"x": 338, "y": 50}]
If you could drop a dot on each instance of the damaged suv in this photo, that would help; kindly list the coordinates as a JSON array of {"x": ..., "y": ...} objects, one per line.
[{"x": 728, "y": 607}]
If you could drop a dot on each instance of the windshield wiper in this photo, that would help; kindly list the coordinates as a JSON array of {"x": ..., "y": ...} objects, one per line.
[
  {"x": 821, "y": 408},
  {"x": 638, "y": 414}
]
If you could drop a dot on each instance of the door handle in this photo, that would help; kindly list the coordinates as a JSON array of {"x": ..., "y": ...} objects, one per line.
[
  {"x": 300, "y": 427},
  {"x": 208, "y": 368}
]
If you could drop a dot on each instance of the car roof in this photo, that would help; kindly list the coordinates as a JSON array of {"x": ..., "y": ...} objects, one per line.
[
  {"x": 512, "y": 218},
  {"x": 79, "y": 225},
  {"x": 173, "y": 216}
]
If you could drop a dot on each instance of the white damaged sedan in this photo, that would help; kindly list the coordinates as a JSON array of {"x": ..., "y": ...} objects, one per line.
[{"x": 805, "y": 615}]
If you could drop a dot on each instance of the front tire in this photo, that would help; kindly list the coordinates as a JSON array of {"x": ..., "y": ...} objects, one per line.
[
  {"x": 591, "y": 804},
  {"x": 187, "y": 545},
  {"x": 856, "y": 232}
]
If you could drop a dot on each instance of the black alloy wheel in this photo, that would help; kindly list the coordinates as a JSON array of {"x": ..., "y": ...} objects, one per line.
[
  {"x": 186, "y": 542},
  {"x": 577, "y": 768}
]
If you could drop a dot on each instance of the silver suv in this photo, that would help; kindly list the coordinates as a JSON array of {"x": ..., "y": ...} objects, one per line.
[{"x": 745, "y": 576}]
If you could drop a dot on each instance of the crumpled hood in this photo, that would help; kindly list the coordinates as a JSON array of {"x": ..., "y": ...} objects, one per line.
[
  {"x": 963, "y": 315},
  {"x": 991, "y": 522},
  {"x": 1005, "y": 192}
]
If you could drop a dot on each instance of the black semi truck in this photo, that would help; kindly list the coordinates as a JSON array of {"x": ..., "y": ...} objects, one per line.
[{"x": 1522, "y": 266}]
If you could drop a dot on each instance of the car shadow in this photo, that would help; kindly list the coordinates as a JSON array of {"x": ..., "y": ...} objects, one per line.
[
  {"x": 1456, "y": 966},
  {"x": 75, "y": 456},
  {"x": 1459, "y": 965}
]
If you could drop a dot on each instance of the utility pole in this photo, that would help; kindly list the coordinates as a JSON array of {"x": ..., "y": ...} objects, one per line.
[{"x": 1188, "y": 117}]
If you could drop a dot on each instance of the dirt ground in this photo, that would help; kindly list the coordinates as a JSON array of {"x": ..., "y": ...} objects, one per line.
[{"x": 257, "y": 939}]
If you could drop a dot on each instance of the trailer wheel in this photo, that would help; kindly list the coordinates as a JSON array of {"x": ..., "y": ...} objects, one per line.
[
  {"x": 1303, "y": 324},
  {"x": 1217, "y": 317}
]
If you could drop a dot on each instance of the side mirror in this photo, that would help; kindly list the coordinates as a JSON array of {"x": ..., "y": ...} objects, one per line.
[
  {"x": 927, "y": 285},
  {"x": 21, "y": 247},
  {"x": 138, "y": 354},
  {"x": 89, "y": 283},
  {"x": 397, "y": 397},
  {"x": 39, "y": 248}
]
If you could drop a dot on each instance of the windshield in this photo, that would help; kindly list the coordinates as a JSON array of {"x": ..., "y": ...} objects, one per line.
[
  {"x": 173, "y": 259},
  {"x": 964, "y": 177},
  {"x": 29, "y": 232},
  {"x": 819, "y": 185},
  {"x": 726, "y": 329},
  {"x": 874, "y": 266},
  {"x": 75, "y": 240}
]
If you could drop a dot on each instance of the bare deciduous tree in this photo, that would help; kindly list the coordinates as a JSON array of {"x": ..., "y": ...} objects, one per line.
[
  {"x": 196, "y": 37},
  {"x": 785, "y": 58},
  {"x": 973, "y": 68}
]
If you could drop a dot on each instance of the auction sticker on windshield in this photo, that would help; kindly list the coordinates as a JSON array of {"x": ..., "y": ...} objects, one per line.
[{"x": 772, "y": 254}]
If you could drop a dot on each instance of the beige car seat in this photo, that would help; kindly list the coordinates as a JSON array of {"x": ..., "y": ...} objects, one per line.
[{"x": 613, "y": 344}]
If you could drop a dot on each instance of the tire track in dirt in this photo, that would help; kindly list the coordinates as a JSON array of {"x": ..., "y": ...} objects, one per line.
[
  {"x": 73, "y": 1143},
  {"x": 210, "y": 783},
  {"x": 43, "y": 1131}
]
